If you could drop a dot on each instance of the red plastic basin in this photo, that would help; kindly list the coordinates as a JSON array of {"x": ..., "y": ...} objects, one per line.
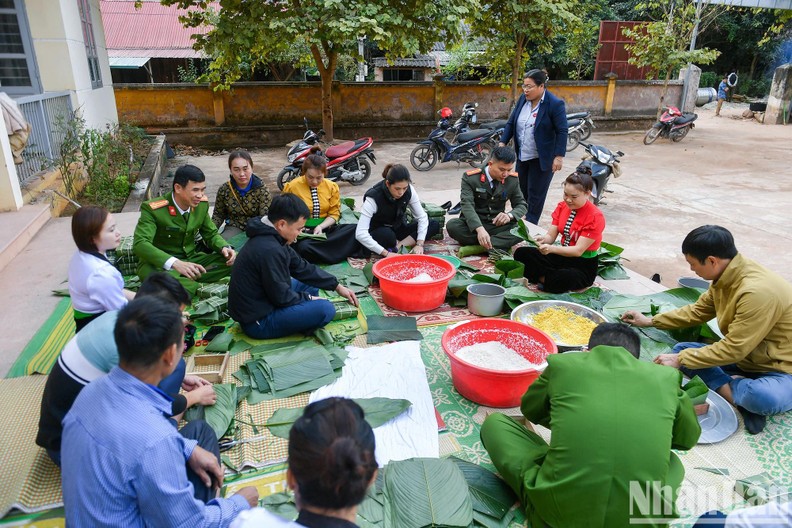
[
  {"x": 495, "y": 388},
  {"x": 393, "y": 272}
]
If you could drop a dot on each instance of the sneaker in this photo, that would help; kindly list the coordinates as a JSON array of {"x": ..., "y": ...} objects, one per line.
[{"x": 754, "y": 423}]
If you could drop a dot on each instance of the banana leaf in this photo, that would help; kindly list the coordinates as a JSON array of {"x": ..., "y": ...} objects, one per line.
[
  {"x": 510, "y": 268},
  {"x": 458, "y": 287},
  {"x": 221, "y": 343},
  {"x": 237, "y": 241},
  {"x": 426, "y": 492},
  {"x": 371, "y": 510},
  {"x": 491, "y": 496},
  {"x": 258, "y": 397},
  {"x": 522, "y": 231},
  {"x": 312, "y": 236},
  {"x": 609, "y": 250},
  {"x": 376, "y": 410},
  {"x": 466, "y": 251},
  {"x": 344, "y": 310},
  {"x": 612, "y": 271},
  {"x": 281, "y": 504},
  {"x": 398, "y": 328},
  {"x": 696, "y": 390},
  {"x": 239, "y": 346},
  {"x": 489, "y": 278},
  {"x": 220, "y": 415},
  {"x": 481, "y": 519},
  {"x": 368, "y": 272},
  {"x": 297, "y": 366}
]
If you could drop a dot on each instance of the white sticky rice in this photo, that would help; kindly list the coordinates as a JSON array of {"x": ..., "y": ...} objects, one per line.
[
  {"x": 495, "y": 356},
  {"x": 421, "y": 277}
]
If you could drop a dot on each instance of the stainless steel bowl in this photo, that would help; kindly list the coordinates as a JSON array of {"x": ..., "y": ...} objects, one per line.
[{"x": 525, "y": 311}]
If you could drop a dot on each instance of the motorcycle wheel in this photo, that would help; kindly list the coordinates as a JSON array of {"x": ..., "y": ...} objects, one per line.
[
  {"x": 423, "y": 157},
  {"x": 677, "y": 136},
  {"x": 366, "y": 172},
  {"x": 597, "y": 194},
  {"x": 285, "y": 176},
  {"x": 483, "y": 153},
  {"x": 573, "y": 140},
  {"x": 585, "y": 132},
  {"x": 651, "y": 135}
]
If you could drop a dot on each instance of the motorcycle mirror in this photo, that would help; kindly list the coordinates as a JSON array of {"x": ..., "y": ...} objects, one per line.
[
  {"x": 321, "y": 132},
  {"x": 305, "y": 120},
  {"x": 619, "y": 153}
]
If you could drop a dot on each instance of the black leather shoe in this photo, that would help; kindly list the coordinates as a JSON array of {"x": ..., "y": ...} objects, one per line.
[
  {"x": 446, "y": 206},
  {"x": 656, "y": 278},
  {"x": 456, "y": 209}
]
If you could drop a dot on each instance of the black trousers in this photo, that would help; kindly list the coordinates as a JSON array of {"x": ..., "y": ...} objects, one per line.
[
  {"x": 340, "y": 244},
  {"x": 561, "y": 274},
  {"x": 199, "y": 430},
  {"x": 534, "y": 183},
  {"x": 388, "y": 236}
]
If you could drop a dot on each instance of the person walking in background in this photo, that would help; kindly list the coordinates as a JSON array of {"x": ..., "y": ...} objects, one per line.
[
  {"x": 723, "y": 90},
  {"x": 243, "y": 197},
  {"x": 539, "y": 127}
]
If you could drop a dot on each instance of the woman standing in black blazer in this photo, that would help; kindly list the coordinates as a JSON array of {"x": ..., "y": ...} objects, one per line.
[{"x": 539, "y": 127}]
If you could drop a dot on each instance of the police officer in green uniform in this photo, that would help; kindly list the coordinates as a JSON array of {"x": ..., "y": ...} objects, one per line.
[
  {"x": 483, "y": 220},
  {"x": 166, "y": 233}
]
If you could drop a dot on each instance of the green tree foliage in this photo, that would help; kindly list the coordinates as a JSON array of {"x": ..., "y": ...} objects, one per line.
[
  {"x": 663, "y": 44},
  {"x": 513, "y": 31},
  {"x": 247, "y": 32}
]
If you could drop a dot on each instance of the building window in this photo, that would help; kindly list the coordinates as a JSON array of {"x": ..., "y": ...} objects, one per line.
[
  {"x": 397, "y": 74},
  {"x": 17, "y": 62},
  {"x": 90, "y": 43}
]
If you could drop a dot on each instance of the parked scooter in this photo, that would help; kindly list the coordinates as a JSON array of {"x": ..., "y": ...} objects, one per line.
[
  {"x": 586, "y": 127},
  {"x": 472, "y": 147},
  {"x": 345, "y": 162},
  {"x": 673, "y": 124},
  {"x": 600, "y": 163}
]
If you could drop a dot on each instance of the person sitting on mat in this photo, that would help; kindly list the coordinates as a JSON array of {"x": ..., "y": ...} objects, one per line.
[
  {"x": 573, "y": 264},
  {"x": 95, "y": 285},
  {"x": 167, "y": 231},
  {"x": 242, "y": 197},
  {"x": 91, "y": 354},
  {"x": 331, "y": 467},
  {"x": 324, "y": 201},
  {"x": 484, "y": 220},
  {"x": 124, "y": 463},
  {"x": 751, "y": 367},
  {"x": 273, "y": 290},
  {"x": 607, "y": 438},
  {"x": 382, "y": 226}
]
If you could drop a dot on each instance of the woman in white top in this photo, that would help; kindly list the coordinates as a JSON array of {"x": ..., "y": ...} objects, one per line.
[
  {"x": 95, "y": 285},
  {"x": 382, "y": 226}
]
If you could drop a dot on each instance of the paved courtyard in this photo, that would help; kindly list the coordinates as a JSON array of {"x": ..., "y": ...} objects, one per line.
[{"x": 731, "y": 172}]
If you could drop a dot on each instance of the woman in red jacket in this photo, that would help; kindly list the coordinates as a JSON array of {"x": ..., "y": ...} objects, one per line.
[{"x": 572, "y": 265}]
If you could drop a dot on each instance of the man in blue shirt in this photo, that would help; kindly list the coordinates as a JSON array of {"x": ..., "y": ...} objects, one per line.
[
  {"x": 123, "y": 460},
  {"x": 723, "y": 89}
]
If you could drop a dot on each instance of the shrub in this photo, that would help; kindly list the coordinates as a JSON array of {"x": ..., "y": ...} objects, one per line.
[{"x": 709, "y": 79}]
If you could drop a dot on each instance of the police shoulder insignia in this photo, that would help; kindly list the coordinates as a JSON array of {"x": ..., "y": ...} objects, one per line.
[
  {"x": 158, "y": 204},
  {"x": 471, "y": 172}
]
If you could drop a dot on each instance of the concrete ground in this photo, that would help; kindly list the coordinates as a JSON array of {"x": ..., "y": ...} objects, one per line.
[{"x": 727, "y": 171}]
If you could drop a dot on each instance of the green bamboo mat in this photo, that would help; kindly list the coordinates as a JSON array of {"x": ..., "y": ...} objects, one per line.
[{"x": 40, "y": 353}]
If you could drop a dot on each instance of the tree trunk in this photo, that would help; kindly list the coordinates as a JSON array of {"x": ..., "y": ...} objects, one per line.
[
  {"x": 753, "y": 66},
  {"x": 520, "y": 43},
  {"x": 663, "y": 93},
  {"x": 326, "y": 73}
]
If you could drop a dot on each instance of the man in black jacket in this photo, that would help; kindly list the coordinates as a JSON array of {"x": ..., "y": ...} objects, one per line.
[{"x": 273, "y": 291}]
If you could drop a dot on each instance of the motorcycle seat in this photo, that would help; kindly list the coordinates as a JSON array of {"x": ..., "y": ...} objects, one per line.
[
  {"x": 578, "y": 115},
  {"x": 342, "y": 149},
  {"x": 572, "y": 123},
  {"x": 686, "y": 118},
  {"x": 473, "y": 134},
  {"x": 495, "y": 125}
]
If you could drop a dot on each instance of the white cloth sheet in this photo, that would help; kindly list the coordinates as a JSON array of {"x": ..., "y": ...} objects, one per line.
[{"x": 391, "y": 371}]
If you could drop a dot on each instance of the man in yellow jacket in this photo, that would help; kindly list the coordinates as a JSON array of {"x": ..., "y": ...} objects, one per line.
[{"x": 751, "y": 367}]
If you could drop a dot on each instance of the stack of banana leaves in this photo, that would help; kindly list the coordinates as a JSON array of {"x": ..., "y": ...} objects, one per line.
[
  {"x": 355, "y": 279},
  {"x": 280, "y": 370},
  {"x": 423, "y": 492},
  {"x": 609, "y": 255},
  {"x": 219, "y": 416},
  {"x": 123, "y": 257}
]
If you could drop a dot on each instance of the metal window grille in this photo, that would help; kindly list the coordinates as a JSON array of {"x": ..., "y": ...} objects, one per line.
[
  {"x": 90, "y": 43},
  {"x": 17, "y": 62},
  {"x": 47, "y": 115}
]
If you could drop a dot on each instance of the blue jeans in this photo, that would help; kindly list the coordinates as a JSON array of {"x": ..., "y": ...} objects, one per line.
[
  {"x": 765, "y": 393},
  {"x": 304, "y": 317},
  {"x": 172, "y": 383}
]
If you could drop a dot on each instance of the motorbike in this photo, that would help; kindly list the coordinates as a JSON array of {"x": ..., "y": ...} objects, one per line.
[
  {"x": 600, "y": 163},
  {"x": 348, "y": 161},
  {"x": 586, "y": 127},
  {"x": 468, "y": 121},
  {"x": 673, "y": 124},
  {"x": 473, "y": 146}
]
